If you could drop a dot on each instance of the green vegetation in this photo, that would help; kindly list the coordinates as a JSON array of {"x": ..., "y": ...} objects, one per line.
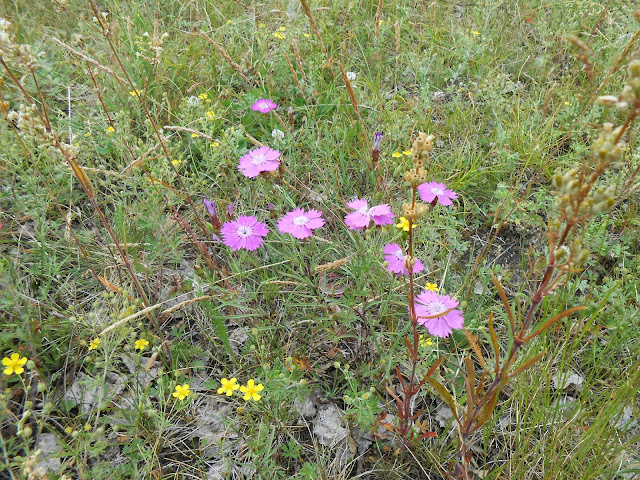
[{"x": 131, "y": 320}]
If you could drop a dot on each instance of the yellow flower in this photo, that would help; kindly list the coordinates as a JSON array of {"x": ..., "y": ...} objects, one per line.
[
  {"x": 110, "y": 130},
  {"x": 176, "y": 162},
  {"x": 380, "y": 22},
  {"x": 211, "y": 114},
  {"x": 215, "y": 144},
  {"x": 228, "y": 386},
  {"x": 95, "y": 343},
  {"x": 282, "y": 29},
  {"x": 141, "y": 344},
  {"x": 261, "y": 25},
  {"x": 133, "y": 93},
  {"x": 407, "y": 152},
  {"x": 88, "y": 134},
  {"x": 475, "y": 32},
  {"x": 14, "y": 364},
  {"x": 306, "y": 35},
  {"x": 396, "y": 154},
  {"x": 425, "y": 341},
  {"x": 251, "y": 391},
  {"x": 203, "y": 96},
  {"x": 567, "y": 103},
  {"x": 68, "y": 430},
  {"x": 229, "y": 21},
  {"x": 193, "y": 135},
  {"x": 278, "y": 35},
  {"x": 432, "y": 286},
  {"x": 404, "y": 224},
  {"x": 182, "y": 391}
]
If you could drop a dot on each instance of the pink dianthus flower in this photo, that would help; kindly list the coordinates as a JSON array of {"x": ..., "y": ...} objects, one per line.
[
  {"x": 300, "y": 223},
  {"x": 431, "y": 190},
  {"x": 361, "y": 218},
  {"x": 258, "y": 160},
  {"x": 396, "y": 260},
  {"x": 246, "y": 232},
  {"x": 441, "y": 310},
  {"x": 264, "y": 105}
]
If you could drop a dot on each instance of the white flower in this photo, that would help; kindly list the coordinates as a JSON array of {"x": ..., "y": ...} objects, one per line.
[
  {"x": 277, "y": 134},
  {"x": 351, "y": 76},
  {"x": 193, "y": 101}
]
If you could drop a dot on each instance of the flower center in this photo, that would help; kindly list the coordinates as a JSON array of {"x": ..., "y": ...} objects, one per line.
[
  {"x": 301, "y": 220},
  {"x": 437, "y": 191},
  {"x": 398, "y": 253},
  {"x": 436, "y": 307},
  {"x": 264, "y": 105},
  {"x": 244, "y": 231},
  {"x": 258, "y": 159}
]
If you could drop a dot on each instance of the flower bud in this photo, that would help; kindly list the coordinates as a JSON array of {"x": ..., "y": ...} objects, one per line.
[{"x": 561, "y": 254}]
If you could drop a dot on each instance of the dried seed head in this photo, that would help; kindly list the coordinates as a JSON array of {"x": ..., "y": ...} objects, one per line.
[{"x": 607, "y": 100}]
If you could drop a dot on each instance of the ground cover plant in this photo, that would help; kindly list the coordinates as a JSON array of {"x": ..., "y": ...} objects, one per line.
[{"x": 319, "y": 240}]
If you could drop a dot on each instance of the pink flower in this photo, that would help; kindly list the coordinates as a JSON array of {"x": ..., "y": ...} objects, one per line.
[
  {"x": 431, "y": 190},
  {"x": 300, "y": 223},
  {"x": 361, "y": 218},
  {"x": 396, "y": 259},
  {"x": 245, "y": 232},
  {"x": 441, "y": 309},
  {"x": 259, "y": 160},
  {"x": 264, "y": 105}
]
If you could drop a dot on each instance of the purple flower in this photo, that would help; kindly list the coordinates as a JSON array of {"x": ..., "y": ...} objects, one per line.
[
  {"x": 431, "y": 190},
  {"x": 396, "y": 260},
  {"x": 441, "y": 310},
  {"x": 245, "y": 232},
  {"x": 361, "y": 218},
  {"x": 259, "y": 160},
  {"x": 300, "y": 223},
  {"x": 212, "y": 210},
  {"x": 263, "y": 105},
  {"x": 210, "y": 205},
  {"x": 230, "y": 215},
  {"x": 377, "y": 140}
]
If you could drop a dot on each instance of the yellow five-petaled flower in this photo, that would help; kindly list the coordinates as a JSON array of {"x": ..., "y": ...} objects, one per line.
[
  {"x": 425, "y": 341},
  {"x": 182, "y": 391},
  {"x": 432, "y": 286},
  {"x": 141, "y": 344},
  {"x": 404, "y": 224},
  {"x": 251, "y": 391},
  {"x": 228, "y": 386},
  {"x": 93, "y": 344},
  {"x": 14, "y": 364}
]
